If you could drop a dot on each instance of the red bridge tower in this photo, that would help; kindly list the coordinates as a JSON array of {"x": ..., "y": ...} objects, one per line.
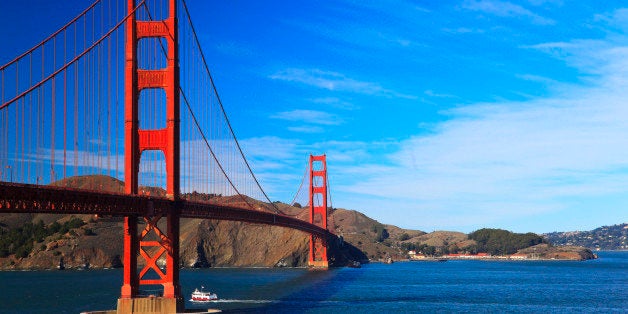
[
  {"x": 153, "y": 243},
  {"x": 318, "y": 210}
]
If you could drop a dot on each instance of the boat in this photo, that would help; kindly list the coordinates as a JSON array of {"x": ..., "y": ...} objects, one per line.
[
  {"x": 354, "y": 264},
  {"x": 203, "y": 296}
]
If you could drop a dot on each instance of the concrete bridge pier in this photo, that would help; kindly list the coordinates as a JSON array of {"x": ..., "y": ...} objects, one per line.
[{"x": 150, "y": 305}]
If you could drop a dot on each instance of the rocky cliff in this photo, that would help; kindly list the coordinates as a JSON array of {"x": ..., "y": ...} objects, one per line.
[
  {"x": 204, "y": 243},
  {"x": 97, "y": 242}
]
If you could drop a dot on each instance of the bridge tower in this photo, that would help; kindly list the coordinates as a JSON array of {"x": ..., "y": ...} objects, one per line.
[
  {"x": 153, "y": 243},
  {"x": 318, "y": 210}
]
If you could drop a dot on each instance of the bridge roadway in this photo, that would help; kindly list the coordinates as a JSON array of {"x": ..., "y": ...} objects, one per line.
[{"x": 28, "y": 198}]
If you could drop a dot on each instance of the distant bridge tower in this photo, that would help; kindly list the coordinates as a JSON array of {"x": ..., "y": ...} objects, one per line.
[
  {"x": 318, "y": 210},
  {"x": 152, "y": 244}
]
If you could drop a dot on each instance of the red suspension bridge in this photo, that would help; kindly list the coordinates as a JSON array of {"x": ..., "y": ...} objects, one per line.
[{"x": 124, "y": 90}]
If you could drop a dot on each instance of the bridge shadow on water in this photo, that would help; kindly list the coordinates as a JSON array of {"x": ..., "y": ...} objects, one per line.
[
  {"x": 305, "y": 291},
  {"x": 273, "y": 290},
  {"x": 277, "y": 290}
]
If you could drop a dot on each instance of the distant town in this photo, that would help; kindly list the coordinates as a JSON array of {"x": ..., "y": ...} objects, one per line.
[{"x": 607, "y": 238}]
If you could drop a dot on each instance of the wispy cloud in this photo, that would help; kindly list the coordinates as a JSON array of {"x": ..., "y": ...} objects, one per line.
[
  {"x": 306, "y": 129},
  {"x": 546, "y": 2},
  {"x": 277, "y": 162},
  {"x": 396, "y": 8},
  {"x": 601, "y": 57},
  {"x": 618, "y": 19},
  {"x": 504, "y": 164},
  {"x": 506, "y": 9},
  {"x": 545, "y": 81},
  {"x": 464, "y": 30},
  {"x": 495, "y": 159},
  {"x": 335, "y": 81},
  {"x": 335, "y": 102},
  {"x": 431, "y": 93},
  {"x": 308, "y": 116},
  {"x": 271, "y": 148}
]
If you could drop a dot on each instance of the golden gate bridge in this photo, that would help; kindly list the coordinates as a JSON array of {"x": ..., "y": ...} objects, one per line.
[{"x": 124, "y": 90}]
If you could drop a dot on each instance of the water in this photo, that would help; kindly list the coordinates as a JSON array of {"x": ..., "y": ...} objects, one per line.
[{"x": 455, "y": 286}]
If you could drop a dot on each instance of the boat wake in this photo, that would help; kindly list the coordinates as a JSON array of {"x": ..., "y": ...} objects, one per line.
[{"x": 236, "y": 301}]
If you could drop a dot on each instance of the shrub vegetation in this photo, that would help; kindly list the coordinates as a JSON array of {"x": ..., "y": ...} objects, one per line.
[
  {"x": 21, "y": 240},
  {"x": 502, "y": 242}
]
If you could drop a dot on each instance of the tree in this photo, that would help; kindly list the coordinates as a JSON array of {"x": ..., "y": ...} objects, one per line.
[
  {"x": 382, "y": 234},
  {"x": 404, "y": 236},
  {"x": 20, "y": 241},
  {"x": 501, "y": 242},
  {"x": 429, "y": 250},
  {"x": 471, "y": 249},
  {"x": 453, "y": 249}
]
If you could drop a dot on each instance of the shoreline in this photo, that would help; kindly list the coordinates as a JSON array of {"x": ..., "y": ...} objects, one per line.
[
  {"x": 499, "y": 259},
  {"x": 514, "y": 257},
  {"x": 426, "y": 259}
]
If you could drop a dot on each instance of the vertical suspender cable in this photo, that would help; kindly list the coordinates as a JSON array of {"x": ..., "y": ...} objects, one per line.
[
  {"x": 101, "y": 104},
  {"x": 117, "y": 74},
  {"x": 65, "y": 105},
  {"x": 40, "y": 117},
  {"x": 98, "y": 70},
  {"x": 92, "y": 100},
  {"x": 76, "y": 106},
  {"x": 85, "y": 150},
  {"x": 17, "y": 119},
  {"x": 30, "y": 117},
  {"x": 108, "y": 106},
  {"x": 211, "y": 83},
  {"x": 3, "y": 148},
  {"x": 53, "y": 112},
  {"x": 22, "y": 157}
]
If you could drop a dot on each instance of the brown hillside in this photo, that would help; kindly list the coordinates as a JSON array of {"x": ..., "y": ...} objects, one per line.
[
  {"x": 93, "y": 182},
  {"x": 441, "y": 238},
  {"x": 203, "y": 242},
  {"x": 545, "y": 251},
  {"x": 360, "y": 231}
]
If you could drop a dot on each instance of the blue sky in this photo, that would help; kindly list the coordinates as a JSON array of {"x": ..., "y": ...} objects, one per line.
[{"x": 434, "y": 115}]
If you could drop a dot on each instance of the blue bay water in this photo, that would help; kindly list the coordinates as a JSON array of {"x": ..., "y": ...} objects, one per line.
[{"x": 455, "y": 286}]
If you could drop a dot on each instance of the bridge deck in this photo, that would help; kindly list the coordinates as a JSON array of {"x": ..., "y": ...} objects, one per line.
[{"x": 27, "y": 198}]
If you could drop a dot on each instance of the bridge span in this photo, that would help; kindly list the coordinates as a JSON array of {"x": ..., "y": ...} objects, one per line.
[
  {"x": 125, "y": 91},
  {"x": 29, "y": 198}
]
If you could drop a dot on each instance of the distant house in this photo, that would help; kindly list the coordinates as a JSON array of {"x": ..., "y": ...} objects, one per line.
[
  {"x": 415, "y": 256},
  {"x": 468, "y": 256},
  {"x": 519, "y": 256}
]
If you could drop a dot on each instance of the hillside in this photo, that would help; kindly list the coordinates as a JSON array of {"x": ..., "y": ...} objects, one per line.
[
  {"x": 547, "y": 251},
  {"x": 604, "y": 238},
  {"x": 97, "y": 241},
  {"x": 42, "y": 241}
]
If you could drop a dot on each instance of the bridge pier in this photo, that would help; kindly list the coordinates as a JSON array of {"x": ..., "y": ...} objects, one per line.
[{"x": 150, "y": 305}]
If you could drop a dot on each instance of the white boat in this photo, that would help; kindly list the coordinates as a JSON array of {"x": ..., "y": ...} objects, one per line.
[{"x": 202, "y": 296}]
